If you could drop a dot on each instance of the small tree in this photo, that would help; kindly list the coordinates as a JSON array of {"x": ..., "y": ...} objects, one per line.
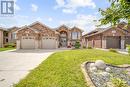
[{"x": 77, "y": 45}]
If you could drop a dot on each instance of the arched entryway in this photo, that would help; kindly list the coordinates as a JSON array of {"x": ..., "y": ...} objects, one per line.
[{"x": 63, "y": 39}]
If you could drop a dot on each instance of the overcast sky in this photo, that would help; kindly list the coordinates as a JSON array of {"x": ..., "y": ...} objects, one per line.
[{"x": 54, "y": 13}]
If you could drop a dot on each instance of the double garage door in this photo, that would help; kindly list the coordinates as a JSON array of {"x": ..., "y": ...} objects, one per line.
[{"x": 30, "y": 43}]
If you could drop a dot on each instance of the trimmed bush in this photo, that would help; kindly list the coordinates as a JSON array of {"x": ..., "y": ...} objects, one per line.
[
  {"x": 113, "y": 50},
  {"x": 9, "y": 45},
  {"x": 84, "y": 47},
  {"x": 89, "y": 47},
  {"x": 77, "y": 45}
]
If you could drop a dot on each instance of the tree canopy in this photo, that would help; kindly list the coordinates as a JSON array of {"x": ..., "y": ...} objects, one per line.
[{"x": 119, "y": 10}]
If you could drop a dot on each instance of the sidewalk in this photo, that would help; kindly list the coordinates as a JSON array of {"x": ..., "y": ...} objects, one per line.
[{"x": 122, "y": 51}]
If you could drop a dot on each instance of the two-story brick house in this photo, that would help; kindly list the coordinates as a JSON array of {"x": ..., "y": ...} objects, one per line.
[{"x": 40, "y": 36}]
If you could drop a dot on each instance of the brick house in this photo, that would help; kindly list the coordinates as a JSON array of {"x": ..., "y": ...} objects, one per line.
[
  {"x": 40, "y": 36},
  {"x": 1, "y": 37},
  {"x": 111, "y": 37},
  {"x": 7, "y": 35}
]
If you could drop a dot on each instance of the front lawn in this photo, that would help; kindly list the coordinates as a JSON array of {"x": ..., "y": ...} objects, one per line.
[
  {"x": 4, "y": 49},
  {"x": 62, "y": 69}
]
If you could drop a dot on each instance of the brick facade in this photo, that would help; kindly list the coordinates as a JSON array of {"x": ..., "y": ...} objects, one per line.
[{"x": 114, "y": 37}]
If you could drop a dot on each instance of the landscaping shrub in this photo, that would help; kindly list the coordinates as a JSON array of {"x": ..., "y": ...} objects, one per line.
[
  {"x": 89, "y": 47},
  {"x": 113, "y": 50},
  {"x": 128, "y": 49},
  {"x": 84, "y": 47},
  {"x": 77, "y": 45},
  {"x": 9, "y": 45}
]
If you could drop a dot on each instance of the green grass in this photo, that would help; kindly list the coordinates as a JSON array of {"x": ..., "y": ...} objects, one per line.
[
  {"x": 62, "y": 69},
  {"x": 4, "y": 49}
]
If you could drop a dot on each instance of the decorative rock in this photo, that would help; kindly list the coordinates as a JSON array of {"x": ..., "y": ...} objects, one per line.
[
  {"x": 94, "y": 69},
  {"x": 129, "y": 83},
  {"x": 105, "y": 74},
  {"x": 100, "y": 64},
  {"x": 108, "y": 69},
  {"x": 92, "y": 65}
]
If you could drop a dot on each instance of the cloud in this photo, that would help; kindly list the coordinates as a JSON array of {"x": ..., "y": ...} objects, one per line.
[
  {"x": 70, "y": 11},
  {"x": 38, "y": 19},
  {"x": 34, "y": 7},
  {"x": 60, "y": 3},
  {"x": 16, "y": 7},
  {"x": 50, "y": 19},
  {"x": 70, "y": 6},
  {"x": 85, "y": 22}
]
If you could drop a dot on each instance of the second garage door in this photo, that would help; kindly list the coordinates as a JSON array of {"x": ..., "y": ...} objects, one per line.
[
  {"x": 48, "y": 43},
  {"x": 113, "y": 42},
  {"x": 28, "y": 43}
]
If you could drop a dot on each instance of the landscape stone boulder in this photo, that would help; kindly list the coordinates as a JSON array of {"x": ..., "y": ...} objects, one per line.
[
  {"x": 108, "y": 69},
  {"x": 100, "y": 64}
]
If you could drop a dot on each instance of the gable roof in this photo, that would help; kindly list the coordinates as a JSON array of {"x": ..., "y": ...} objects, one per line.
[
  {"x": 102, "y": 30},
  {"x": 35, "y": 30},
  {"x": 63, "y": 25},
  {"x": 37, "y": 22},
  {"x": 77, "y": 28}
]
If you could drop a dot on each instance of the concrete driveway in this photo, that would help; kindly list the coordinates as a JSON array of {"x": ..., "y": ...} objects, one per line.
[{"x": 15, "y": 65}]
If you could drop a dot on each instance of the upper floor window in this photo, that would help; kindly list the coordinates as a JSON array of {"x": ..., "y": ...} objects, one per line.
[{"x": 75, "y": 35}]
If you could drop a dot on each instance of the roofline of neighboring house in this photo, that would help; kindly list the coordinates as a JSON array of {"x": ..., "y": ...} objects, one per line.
[
  {"x": 12, "y": 28},
  {"x": 105, "y": 29},
  {"x": 103, "y": 32}
]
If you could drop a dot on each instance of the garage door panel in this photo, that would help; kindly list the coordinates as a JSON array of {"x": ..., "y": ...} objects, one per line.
[
  {"x": 113, "y": 42},
  {"x": 48, "y": 43},
  {"x": 27, "y": 43}
]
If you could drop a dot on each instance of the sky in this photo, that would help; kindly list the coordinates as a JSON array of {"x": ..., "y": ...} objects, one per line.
[{"x": 54, "y": 13}]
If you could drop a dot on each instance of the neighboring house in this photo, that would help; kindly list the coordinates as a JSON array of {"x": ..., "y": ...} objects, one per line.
[
  {"x": 12, "y": 34},
  {"x": 1, "y": 37},
  {"x": 108, "y": 37},
  {"x": 7, "y": 35},
  {"x": 38, "y": 35}
]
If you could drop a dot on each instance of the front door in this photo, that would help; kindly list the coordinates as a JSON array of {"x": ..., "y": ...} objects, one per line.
[{"x": 63, "y": 42}]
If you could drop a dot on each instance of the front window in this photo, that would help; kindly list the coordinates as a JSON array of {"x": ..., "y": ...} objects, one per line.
[{"x": 75, "y": 35}]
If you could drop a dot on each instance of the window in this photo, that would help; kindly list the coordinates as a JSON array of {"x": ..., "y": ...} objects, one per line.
[
  {"x": 75, "y": 35},
  {"x": 13, "y": 35}
]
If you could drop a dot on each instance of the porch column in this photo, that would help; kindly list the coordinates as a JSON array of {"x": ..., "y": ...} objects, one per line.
[
  {"x": 87, "y": 42},
  {"x": 123, "y": 42},
  {"x": 18, "y": 44}
]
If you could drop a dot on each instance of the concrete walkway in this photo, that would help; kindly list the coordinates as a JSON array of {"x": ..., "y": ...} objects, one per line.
[
  {"x": 122, "y": 51},
  {"x": 15, "y": 65}
]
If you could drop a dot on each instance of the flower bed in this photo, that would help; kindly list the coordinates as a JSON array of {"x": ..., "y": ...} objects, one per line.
[{"x": 108, "y": 76}]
